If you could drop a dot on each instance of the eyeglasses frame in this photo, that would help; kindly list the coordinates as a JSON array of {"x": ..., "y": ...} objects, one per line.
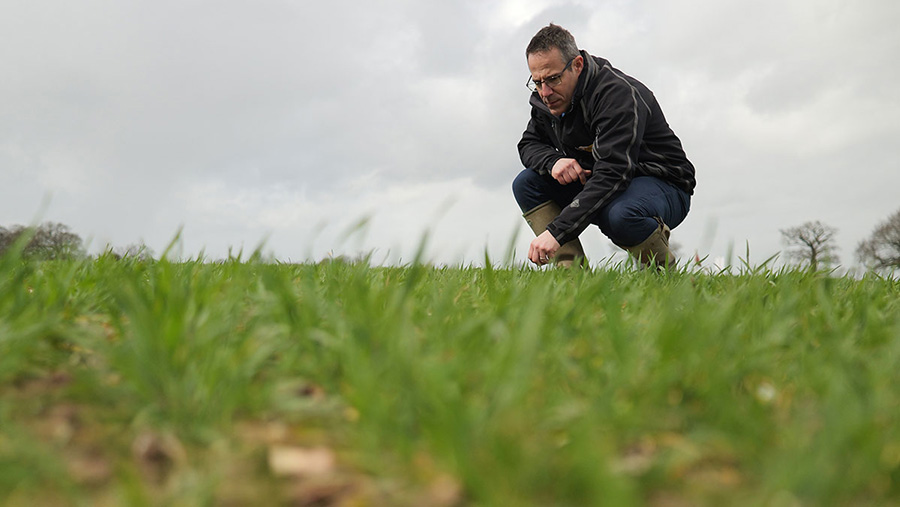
[{"x": 535, "y": 86}]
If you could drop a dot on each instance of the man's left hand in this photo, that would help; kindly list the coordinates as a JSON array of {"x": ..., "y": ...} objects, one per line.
[{"x": 543, "y": 248}]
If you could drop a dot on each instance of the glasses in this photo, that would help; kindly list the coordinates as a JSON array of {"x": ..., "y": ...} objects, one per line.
[{"x": 552, "y": 81}]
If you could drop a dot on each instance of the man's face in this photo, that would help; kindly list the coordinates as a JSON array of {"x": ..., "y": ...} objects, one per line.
[{"x": 545, "y": 67}]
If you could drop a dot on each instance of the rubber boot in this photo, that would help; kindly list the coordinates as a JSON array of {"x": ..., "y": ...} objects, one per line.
[
  {"x": 539, "y": 218},
  {"x": 654, "y": 249}
]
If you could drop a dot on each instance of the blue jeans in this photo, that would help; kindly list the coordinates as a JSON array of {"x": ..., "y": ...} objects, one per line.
[{"x": 627, "y": 220}]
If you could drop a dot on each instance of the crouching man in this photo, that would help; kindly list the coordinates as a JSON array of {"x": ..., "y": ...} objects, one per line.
[{"x": 597, "y": 150}]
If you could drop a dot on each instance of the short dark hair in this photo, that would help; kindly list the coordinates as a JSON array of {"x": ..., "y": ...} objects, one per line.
[{"x": 553, "y": 36}]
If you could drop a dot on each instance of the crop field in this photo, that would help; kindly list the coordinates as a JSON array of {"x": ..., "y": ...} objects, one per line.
[{"x": 132, "y": 382}]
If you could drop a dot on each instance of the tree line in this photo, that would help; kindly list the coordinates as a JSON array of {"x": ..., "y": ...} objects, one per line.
[
  {"x": 56, "y": 241},
  {"x": 811, "y": 244}
]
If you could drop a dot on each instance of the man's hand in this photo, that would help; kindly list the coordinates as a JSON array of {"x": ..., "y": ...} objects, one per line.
[
  {"x": 568, "y": 170},
  {"x": 543, "y": 248}
]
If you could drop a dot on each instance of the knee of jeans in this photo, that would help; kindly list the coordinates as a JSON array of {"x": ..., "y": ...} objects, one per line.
[
  {"x": 523, "y": 182},
  {"x": 624, "y": 225},
  {"x": 618, "y": 220}
]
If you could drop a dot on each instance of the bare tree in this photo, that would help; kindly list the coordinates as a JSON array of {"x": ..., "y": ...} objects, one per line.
[
  {"x": 812, "y": 243},
  {"x": 882, "y": 250},
  {"x": 48, "y": 241},
  {"x": 54, "y": 240}
]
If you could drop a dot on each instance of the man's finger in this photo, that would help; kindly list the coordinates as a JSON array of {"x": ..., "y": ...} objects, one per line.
[{"x": 537, "y": 257}]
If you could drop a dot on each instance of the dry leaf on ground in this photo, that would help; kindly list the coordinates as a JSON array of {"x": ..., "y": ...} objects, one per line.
[{"x": 287, "y": 461}]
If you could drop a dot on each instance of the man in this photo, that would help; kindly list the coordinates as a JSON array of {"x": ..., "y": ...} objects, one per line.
[{"x": 597, "y": 150}]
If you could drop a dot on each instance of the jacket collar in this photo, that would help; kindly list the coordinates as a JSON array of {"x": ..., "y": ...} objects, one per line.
[{"x": 590, "y": 70}]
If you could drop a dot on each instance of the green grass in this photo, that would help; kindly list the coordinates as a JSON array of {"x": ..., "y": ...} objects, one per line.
[{"x": 145, "y": 383}]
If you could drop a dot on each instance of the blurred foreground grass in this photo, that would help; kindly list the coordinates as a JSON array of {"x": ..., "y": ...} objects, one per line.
[{"x": 144, "y": 383}]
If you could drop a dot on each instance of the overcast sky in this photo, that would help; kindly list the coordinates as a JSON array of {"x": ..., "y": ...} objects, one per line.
[{"x": 342, "y": 127}]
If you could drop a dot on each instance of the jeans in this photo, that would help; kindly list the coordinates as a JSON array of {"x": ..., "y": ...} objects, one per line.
[{"x": 627, "y": 220}]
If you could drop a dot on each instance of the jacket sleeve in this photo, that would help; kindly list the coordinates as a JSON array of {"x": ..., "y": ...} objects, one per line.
[
  {"x": 536, "y": 150},
  {"x": 617, "y": 115}
]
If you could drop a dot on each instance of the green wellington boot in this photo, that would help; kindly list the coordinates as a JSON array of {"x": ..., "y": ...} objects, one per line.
[
  {"x": 539, "y": 218},
  {"x": 655, "y": 249}
]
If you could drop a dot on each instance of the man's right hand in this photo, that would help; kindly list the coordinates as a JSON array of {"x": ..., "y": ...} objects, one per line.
[{"x": 568, "y": 170}]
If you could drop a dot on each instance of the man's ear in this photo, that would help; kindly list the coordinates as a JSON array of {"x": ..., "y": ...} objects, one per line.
[{"x": 578, "y": 64}]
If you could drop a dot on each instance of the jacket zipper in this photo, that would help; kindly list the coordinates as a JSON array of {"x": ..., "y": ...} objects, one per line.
[{"x": 560, "y": 147}]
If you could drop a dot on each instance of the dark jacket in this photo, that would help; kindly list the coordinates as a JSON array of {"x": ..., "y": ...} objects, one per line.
[{"x": 616, "y": 129}]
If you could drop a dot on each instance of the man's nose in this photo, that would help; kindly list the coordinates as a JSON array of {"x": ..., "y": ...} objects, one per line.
[{"x": 546, "y": 91}]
